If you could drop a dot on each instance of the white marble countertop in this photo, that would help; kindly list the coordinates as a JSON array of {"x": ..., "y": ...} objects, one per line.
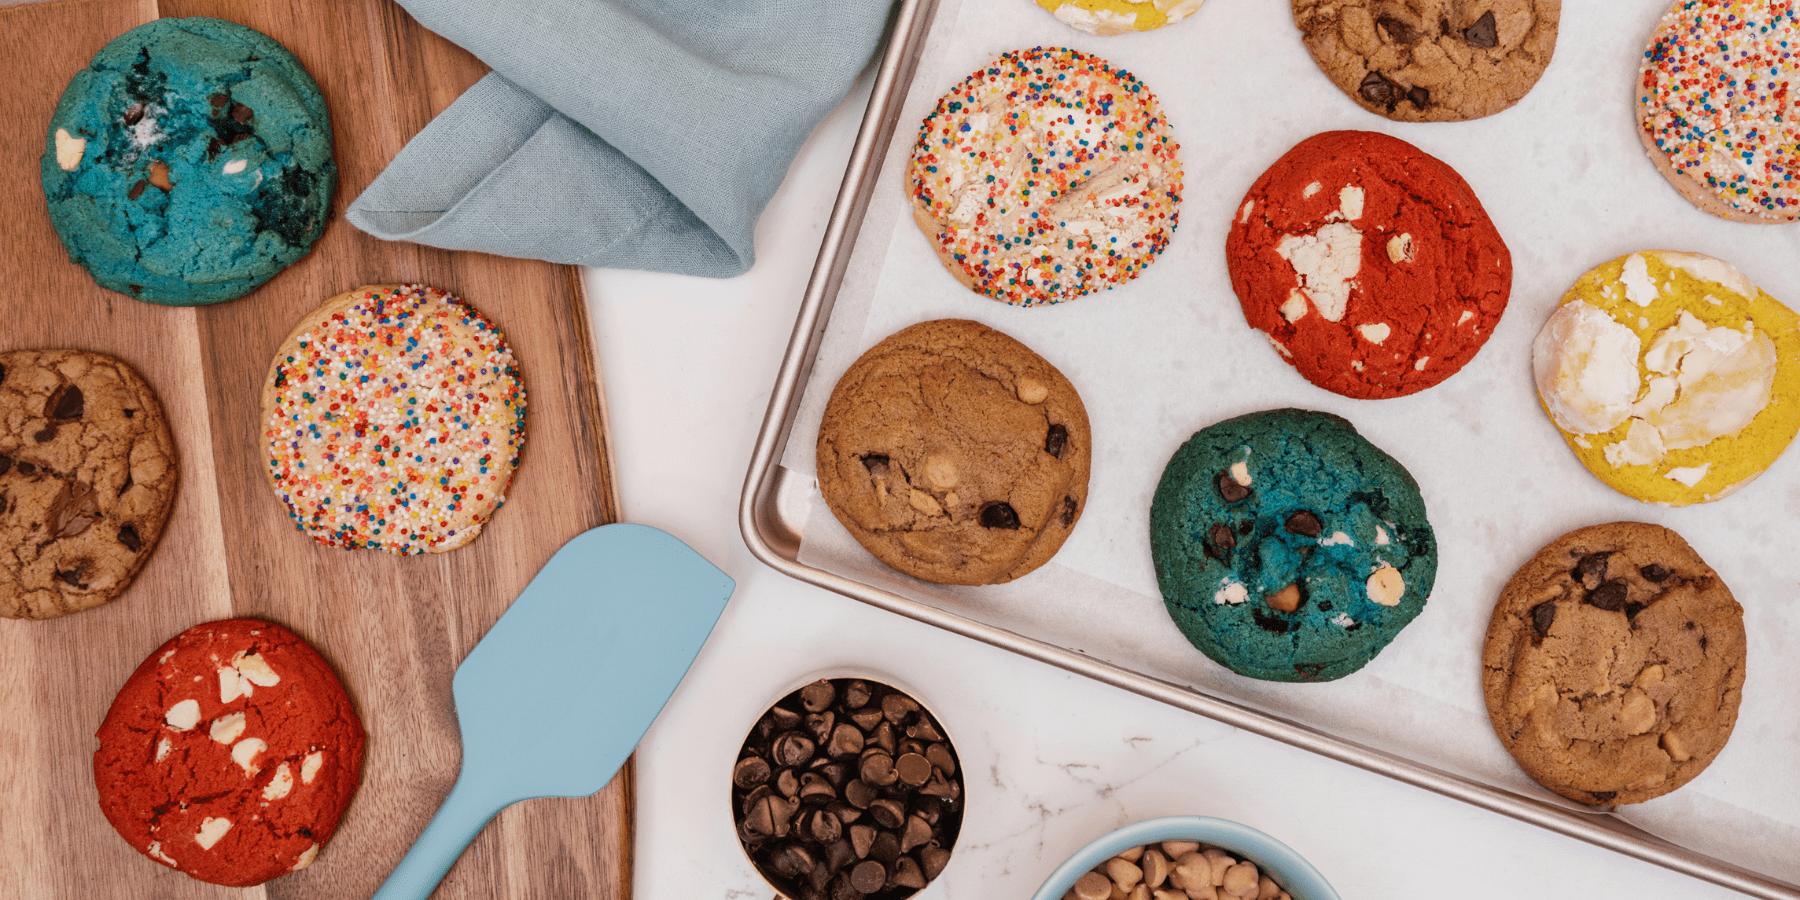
[{"x": 1053, "y": 760}]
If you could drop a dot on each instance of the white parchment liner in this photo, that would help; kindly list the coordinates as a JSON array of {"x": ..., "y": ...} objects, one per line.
[{"x": 1565, "y": 180}]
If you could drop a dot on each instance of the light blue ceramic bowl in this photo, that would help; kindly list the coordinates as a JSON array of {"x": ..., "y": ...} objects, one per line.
[{"x": 1270, "y": 855}]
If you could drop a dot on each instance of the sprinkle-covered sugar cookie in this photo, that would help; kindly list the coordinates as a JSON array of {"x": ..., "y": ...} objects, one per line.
[
  {"x": 1719, "y": 106},
  {"x": 1047, "y": 175},
  {"x": 393, "y": 417}
]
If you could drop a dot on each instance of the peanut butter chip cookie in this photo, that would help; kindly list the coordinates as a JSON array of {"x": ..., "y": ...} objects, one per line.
[
  {"x": 955, "y": 454},
  {"x": 1431, "y": 60},
  {"x": 1614, "y": 664},
  {"x": 87, "y": 478}
]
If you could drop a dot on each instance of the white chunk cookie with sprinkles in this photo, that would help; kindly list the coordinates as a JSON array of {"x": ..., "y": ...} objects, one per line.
[
  {"x": 393, "y": 418},
  {"x": 1046, "y": 175}
]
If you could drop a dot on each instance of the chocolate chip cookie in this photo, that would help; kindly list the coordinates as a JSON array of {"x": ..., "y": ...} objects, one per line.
[
  {"x": 1431, "y": 60},
  {"x": 955, "y": 454},
  {"x": 1614, "y": 664},
  {"x": 87, "y": 478}
]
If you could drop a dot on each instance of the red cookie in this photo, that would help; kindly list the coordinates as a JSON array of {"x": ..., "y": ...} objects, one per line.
[
  {"x": 1370, "y": 265},
  {"x": 230, "y": 754}
]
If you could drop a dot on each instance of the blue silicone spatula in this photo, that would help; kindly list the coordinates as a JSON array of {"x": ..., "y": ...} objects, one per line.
[{"x": 556, "y": 696}]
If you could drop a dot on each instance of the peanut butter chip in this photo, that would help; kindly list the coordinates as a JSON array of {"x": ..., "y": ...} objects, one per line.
[
  {"x": 924, "y": 503},
  {"x": 1032, "y": 390},
  {"x": 159, "y": 176},
  {"x": 940, "y": 473},
  {"x": 1637, "y": 713},
  {"x": 1386, "y": 586},
  {"x": 1285, "y": 600},
  {"x": 1672, "y": 745}
]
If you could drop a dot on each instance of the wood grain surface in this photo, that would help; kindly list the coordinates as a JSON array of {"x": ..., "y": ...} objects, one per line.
[{"x": 394, "y": 628}]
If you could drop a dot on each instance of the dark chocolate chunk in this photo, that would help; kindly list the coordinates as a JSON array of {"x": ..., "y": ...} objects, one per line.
[
  {"x": 133, "y": 113},
  {"x": 998, "y": 514},
  {"x": 1482, "y": 34},
  {"x": 1378, "y": 90},
  {"x": 5, "y": 463},
  {"x": 1220, "y": 538},
  {"x": 1655, "y": 572},
  {"x": 1542, "y": 616},
  {"x": 1305, "y": 524},
  {"x": 67, "y": 404},
  {"x": 241, "y": 113},
  {"x": 1590, "y": 570},
  {"x": 1397, "y": 30},
  {"x": 1229, "y": 489},
  {"x": 1604, "y": 796},
  {"x": 876, "y": 464},
  {"x": 45, "y": 435},
  {"x": 218, "y": 100},
  {"x": 1056, "y": 441},
  {"x": 1419, "y": 96},
  {"x": 749, "y": 772},
  {"x": 137, "y": 190},
  {"x": 1609, "y": 596},
  {"x": 1068, "y": 513}
]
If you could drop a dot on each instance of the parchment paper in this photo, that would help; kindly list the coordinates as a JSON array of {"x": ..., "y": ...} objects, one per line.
[{"x": 1567, "y": 183}]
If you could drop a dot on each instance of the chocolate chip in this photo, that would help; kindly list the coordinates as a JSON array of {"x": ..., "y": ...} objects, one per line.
[
  {"x": 1305, "y": 524},
  {"x": 997, "y": 514},
  {"x": 787, "y": 783},
  {"x": 846, "y": 741},
  {"x": 876, "y": 464},
  {"x": 933, "y": 859},
  {"x": 1056, "y": 440},
  {"x": 26, "y": 468},
  {"x": 793, "y": 749},
  {"x": 749, "y": 772},
  {"x": 818, "y": 695},
  {"x": 888, "y": 813},
  {"x": 66, "y": 405},
  {"x": 1609, "y": 596},
  {"x": 907, "y": 873},
  {"x": 1229, "y": 489},
  {"x": 72, "y": 577},
  {"x": 1378, "y": 90},
  {"x": 1419, "y": 96},
  {"x": 1590, "y": 570},
  {"x": 1482, "y": 34},
  {"x": 1398, "y": 30},
  {"x": 856, "y": 694},
  {"x": 1655, "y": 572},
  {"x": 5, "y": 463},
  {"x": 1220, "y": 538},
  {"x": 137, "y": 190},
  {"x": 45, "y": 435},
  {"x": 859, "y": 793},
  {"x": 1542, "y": 615},
  {"x": 823, "y": 827},
  {"x": 218, "y": 100},
  {"x": 1068, "y": 513},
  {"x": 241, "y": 113},
  {"x": 939, "y": 755},
  {"x": 868, "y": 876},
  {"x": 913, "y": 768}
]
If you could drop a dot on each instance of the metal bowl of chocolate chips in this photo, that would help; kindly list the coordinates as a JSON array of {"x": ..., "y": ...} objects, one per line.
[{"x": 847, "y": 789}]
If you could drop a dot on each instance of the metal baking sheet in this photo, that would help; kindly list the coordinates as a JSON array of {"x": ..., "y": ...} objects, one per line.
[{"x": 1156, "y": 359}]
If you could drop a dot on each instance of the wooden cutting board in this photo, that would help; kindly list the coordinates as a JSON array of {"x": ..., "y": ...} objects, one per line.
[{"x": 394, "y": 628}]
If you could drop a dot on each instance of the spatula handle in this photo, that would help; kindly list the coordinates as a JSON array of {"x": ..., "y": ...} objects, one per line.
[{"x": 464, "y": 813}]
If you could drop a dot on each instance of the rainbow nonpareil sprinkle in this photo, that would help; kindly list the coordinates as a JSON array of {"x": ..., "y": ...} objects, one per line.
[
  {"x": 393, "y": 419},
  {"x": 1720, "y": 84},
  {"x": 1045, "y": 176}
]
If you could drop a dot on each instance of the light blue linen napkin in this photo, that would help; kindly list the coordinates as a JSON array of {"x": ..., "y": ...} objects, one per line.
[{"x": 628, "y": 134}]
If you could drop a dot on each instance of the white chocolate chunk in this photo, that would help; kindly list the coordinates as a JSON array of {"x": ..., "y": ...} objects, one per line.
[
  {"x": 226, "y": 729},
  {"x": 236, "y": 166},
  {"x": 1420, "y": 365},
  {"x": 1640, "y": 288},
  {"x": 244, "y": 754},
  {"x": 69, "y": 149},
  {"x": 1311, "y": 189},
  {"x": 1244, "y": 214},
  {"x": 255, "y": 669},
  {"x": 1688, "y": 475},
  {"x": 1374, "y": 333},
  {"x": 184, "y": 715},
  {"x": 1240, "y": 473},
  {"x": 1294, "y": 308},
  {"x": 306, "y": 857},
  {"x": 232, "y": 685},
  {"x": 1325, "y": 261},
  {"x": 155, "y": 852},
  {"x": 162, "y": 749},
  {"x": 1386, "y": 586},
  {"x": 1232, "y": 593},
  {"x": 309, "y": 767},
  {"x": 1586, "y": 368},
  {"x": 279, "y": 786},
  {"x": 211, "y": 830}
]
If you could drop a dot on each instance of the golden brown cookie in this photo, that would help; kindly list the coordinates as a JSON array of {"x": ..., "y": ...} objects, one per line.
[
  {"x": 87, "y": 479},
  {"x": 1614, "y": 664},
  {"x": 1431, "y": 60},
  {"x": 955, "y": 454}
]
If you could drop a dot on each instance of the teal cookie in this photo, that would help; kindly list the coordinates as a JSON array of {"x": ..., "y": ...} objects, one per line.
[
  {"x": 189, "y": 162},
  {"x": 1287, "y": 547}
]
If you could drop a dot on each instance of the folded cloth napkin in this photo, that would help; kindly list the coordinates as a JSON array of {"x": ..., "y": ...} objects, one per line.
[{"x": 630, "y": 134}]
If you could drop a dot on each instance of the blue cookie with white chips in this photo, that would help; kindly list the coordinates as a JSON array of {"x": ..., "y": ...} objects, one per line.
[
  {"x": 1288, "y": 547},
  {"x": 189, "y": 162}
]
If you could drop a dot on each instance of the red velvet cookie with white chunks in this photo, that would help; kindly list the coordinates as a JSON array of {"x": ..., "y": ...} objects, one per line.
[
  {"x": 230, "y": 754},
  {"x": 1046, "y": 175},
  {"x": 1369, "y": 264}
]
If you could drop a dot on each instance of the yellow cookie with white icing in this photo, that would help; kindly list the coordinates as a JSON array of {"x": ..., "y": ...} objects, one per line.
[
  {"x": 1106, "y": 17},
  {"x": 1673, "y": 378}
]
